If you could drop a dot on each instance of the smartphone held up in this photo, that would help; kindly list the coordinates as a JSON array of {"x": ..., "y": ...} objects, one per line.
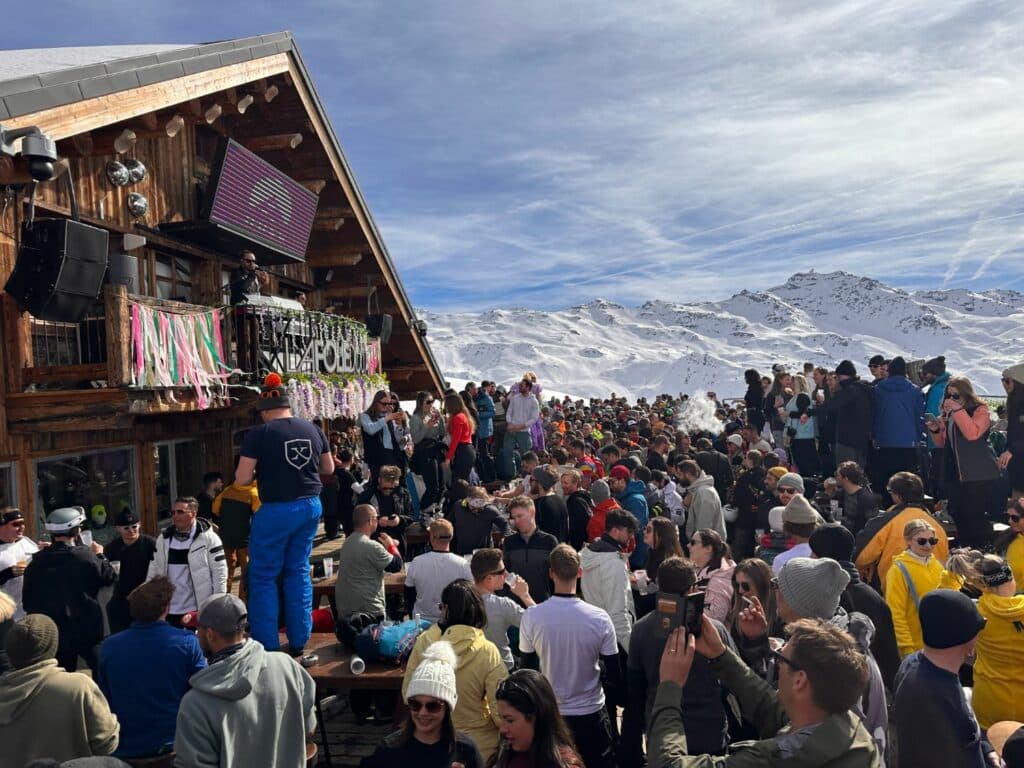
[{"x": 680, "y": 611}]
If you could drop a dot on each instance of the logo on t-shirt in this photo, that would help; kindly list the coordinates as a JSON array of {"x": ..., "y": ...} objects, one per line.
[{"x": 298, "y": 452}]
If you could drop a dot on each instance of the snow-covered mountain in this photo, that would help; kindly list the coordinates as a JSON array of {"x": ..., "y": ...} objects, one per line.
[{"x": 603, "y": 347}]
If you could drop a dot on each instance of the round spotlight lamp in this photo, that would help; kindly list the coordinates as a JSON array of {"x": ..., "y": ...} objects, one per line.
[
  {"x": 136, "y": 170},
  {"x": 138, "y": 205},
  {"x": 117, "y": 173}
]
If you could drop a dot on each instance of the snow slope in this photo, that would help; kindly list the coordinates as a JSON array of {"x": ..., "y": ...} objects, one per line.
[{"x": 603, "y": 347}]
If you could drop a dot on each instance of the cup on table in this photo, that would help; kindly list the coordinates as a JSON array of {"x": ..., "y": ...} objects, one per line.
[{"x": 328, "y": 568}]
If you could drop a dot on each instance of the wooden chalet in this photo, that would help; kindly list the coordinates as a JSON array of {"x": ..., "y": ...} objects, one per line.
[{"x": 96, "y": 411}]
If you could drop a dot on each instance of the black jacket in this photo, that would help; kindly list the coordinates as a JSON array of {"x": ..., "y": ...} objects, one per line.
[
  {"x": 62, "y": 582},
  {"x": 746, "y": 497},
  {"x": 718, "y": 466},
  {"x": 754, "y": 400},
  {"x": 528, "y": 558},
  {"x": 473, "y": 527},
  {"x": 553, "y": 516},
  {"x": 863, "y": 598},
  {"x": 581, "y": 509},
  {"x": 374, "y": 452},
  {"x": 853, "y": 411}
]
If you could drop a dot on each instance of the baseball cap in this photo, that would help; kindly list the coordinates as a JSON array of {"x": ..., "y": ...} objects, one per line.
[{"x": 223, "y": 613}]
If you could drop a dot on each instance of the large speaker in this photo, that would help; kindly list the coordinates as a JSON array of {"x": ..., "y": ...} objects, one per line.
[
  {"x": 60, "y": 269},
  {"x": 123, "y": 270},
  {"x": 379, "y": 326}
]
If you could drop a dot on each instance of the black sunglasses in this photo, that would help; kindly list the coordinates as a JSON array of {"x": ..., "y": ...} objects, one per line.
[
  {"x": 432, "y": 707},
  {"x": 921, "y": 542},
  {"x": 502, "y": 572},
  {"x": 777, "y": 655},
  {"x": 743, "y": 586},
  {"x": 1015, "y": 518},
  {"x": 953, "y": 397},
  {"x": 774, "y": 584}
]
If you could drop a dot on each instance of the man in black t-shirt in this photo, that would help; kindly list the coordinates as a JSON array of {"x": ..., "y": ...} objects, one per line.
[
  {"x": 291, "y": 455},
  {"x": 132, "y": 553}
]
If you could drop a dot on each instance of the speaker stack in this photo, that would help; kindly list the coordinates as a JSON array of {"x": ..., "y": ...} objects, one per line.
[
  {"x": 379, "y": 326},
  {"x": 60, "y": 269}
]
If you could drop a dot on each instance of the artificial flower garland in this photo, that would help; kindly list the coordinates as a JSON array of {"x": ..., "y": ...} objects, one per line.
[{"x": 332, "y": 396}]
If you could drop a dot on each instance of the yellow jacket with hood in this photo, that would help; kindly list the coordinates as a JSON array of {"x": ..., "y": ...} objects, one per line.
[
  {"x": 882, "y": 539},
  {"x": 477, "y": 675},
  {"x": 925, "y": 578},
  {"x": 999, "y": 671}
]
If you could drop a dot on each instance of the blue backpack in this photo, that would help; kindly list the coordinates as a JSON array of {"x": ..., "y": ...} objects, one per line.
[{"x": 392, "y": 642}]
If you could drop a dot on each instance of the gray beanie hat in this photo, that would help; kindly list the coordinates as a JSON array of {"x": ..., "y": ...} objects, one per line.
[
  {"x": 31, "y": 640},
  {"x": 791, "y": 480},
  {"x": 812, "y": 588},
  {"x": 599, "y": 491}
]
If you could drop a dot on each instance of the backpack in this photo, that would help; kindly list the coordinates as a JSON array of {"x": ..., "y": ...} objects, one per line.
[{"x": 389, "y": 642}]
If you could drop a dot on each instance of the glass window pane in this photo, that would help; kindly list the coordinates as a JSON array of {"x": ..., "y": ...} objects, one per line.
[
  {"x": 184, "y": 270},
  {"x": 8, "y": 497},
  {"x": 162, "y": 458},
  {"x": 163, "y": 266},
  {"x": 102, "y": 483},
  {"x": 164, "y": 289},
  {"x": 190, "y": 466}
]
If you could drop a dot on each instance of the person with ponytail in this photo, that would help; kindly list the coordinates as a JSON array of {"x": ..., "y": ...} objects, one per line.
[
  {"x": 998, "y": 671},
  {"x": 428, "y": 738}
]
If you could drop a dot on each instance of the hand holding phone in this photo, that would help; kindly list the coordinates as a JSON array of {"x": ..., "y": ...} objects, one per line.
[{"x": 677, "y": 658}]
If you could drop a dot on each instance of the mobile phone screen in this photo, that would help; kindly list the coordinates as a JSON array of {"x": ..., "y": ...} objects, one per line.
[{"x": 693, "y": 618}]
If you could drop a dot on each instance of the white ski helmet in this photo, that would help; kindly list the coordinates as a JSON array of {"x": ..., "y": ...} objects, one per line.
[{"x": 65, "y": 519}]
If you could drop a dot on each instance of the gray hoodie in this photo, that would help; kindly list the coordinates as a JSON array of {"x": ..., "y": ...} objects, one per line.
[
  {"x": 704, "y": 508},
  {"x": 250, "y": 708}
]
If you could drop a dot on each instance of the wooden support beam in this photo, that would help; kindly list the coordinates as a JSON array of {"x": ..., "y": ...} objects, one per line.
[
  {"x": 316, "y": 186},
  {"x": 71, "y": 119},
  {"x": 333, "y": 291},
  {"x": 115, "y": 303},
  {"x": 329, "y": 225},
  {"x": 342, "y": 256},
  {"x": 334, "y": 212},
  {"x": 276, "y": 141}
]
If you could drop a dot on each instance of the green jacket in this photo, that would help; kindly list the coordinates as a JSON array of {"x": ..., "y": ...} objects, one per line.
[{"x": 838, "y": 742}]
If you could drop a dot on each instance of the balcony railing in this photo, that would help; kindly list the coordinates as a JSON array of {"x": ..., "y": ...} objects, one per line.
[{"x": 147, "y": 343}]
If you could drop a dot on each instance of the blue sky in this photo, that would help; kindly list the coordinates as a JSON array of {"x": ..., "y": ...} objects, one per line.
[{"x": 544, "y": 153}]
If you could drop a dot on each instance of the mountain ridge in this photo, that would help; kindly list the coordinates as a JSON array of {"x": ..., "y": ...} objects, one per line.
[{"x": 602, "y": 346}]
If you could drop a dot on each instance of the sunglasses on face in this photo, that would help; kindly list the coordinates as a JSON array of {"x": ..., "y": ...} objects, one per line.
[
  {"x": 787, "y": 491},
  {"x": 953, "y": 396},
  {"x": 132, "y": 527},
  {"x": 432, "y": 707},
  {"x": 1013, "y": 518},
  {"x": 502, "y": 572},
  {"x": 777, "y": 655},
  {"x": 743, "y": 586},
  {"x": 922, "y": 542}
]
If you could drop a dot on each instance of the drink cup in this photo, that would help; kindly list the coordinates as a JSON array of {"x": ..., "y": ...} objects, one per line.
[
  {"x": 116, "y": 565},
  {"x": 641, "y": 581},
  {"x": 357, "y": 665},
  {"x": 510, "y": 580},
  {"x": 86, "y": 537},
  {"x": 328, "y": 568}
]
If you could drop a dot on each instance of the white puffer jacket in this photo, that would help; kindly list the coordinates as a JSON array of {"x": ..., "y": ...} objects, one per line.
[
  {"x": 206, "y": 562},
  {"x": 605, "y": 584}
]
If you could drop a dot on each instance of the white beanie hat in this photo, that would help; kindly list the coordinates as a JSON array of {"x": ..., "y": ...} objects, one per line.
[{"x": 435, "y": 675}]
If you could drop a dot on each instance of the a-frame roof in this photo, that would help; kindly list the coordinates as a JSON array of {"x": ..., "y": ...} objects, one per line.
[{"x": 46, "y": 81}]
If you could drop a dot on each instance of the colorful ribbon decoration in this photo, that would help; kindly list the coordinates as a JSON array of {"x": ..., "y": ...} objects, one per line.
[{"x": 172, "y": 350}]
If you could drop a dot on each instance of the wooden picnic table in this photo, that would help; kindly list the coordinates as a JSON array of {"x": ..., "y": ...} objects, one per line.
[
  {"x": 333, "y": 672},
  {"x": 394, "y": 584}
]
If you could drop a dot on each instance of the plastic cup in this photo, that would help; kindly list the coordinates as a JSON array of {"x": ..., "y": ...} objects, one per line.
[
  {"x": 357, "y": 665},
  {"x": 328, "y": 568},
  {"x": 86, "y": 537},
  {"x": 510, "y": 579}
]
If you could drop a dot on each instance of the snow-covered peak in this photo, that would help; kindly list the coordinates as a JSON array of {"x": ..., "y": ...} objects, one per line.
[{"x": 822, "y": 318}]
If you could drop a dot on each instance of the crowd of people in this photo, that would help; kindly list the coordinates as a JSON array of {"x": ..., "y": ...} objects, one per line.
[{"x": 823, "y": 572}]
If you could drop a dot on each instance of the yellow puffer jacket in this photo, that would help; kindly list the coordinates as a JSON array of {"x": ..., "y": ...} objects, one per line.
[
  {"x": 999, "y": 671},
  {"x": 925, "y": 577},
  {"x": 1015, "y": 559},
  {"x": 885, "y": 532},
  {"x": 477, "y": 675}
]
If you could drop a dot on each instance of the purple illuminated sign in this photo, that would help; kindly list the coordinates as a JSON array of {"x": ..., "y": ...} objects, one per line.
[{"x": 255, "y": 200}]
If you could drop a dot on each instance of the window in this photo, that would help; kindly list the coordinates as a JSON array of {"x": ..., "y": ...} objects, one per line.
[
  {"x": 102, "y": 482},
  {"x": 173, "y": 276},
  {"x": 8, "y": 490},
  {"x": 180, "y": 466}
]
